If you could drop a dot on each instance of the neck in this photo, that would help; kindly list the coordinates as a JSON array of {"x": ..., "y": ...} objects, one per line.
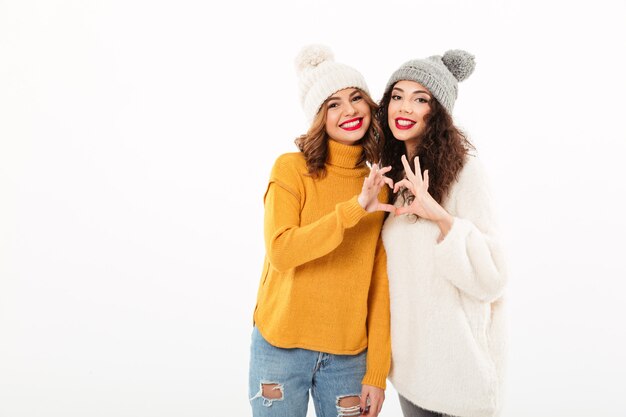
[
  {"x": 411, "y": 148},
  {"x": 346, "y": 156}
]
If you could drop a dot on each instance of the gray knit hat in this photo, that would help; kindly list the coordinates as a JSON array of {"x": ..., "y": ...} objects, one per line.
[
  {"x": 440, "y": 75},
  {"x": 320, "y": 77}
]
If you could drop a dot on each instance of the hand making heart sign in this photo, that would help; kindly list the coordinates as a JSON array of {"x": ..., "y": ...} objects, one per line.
[
  {"x": 423, "y": 205},
  {"x": 374, "y": 182}
]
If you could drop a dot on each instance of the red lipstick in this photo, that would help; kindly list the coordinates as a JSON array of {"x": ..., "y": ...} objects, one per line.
[
  {"x": 404, "y": 127},
  {"x": 355, "y": 127}
]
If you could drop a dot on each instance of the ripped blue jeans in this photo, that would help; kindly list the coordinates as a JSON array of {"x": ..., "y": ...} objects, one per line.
[{"x": 286, "y": 376}]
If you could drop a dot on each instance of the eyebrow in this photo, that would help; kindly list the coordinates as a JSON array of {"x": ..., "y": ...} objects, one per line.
[
  {"x": 351, "y": 94},
  {"x": 414, "y": 92}
]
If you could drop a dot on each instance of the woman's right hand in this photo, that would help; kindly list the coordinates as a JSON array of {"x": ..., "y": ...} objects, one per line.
[{"x": 374, "y": 182}]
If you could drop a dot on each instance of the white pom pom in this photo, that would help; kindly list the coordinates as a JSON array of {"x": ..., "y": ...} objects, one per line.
[
  {"x": 460, "y": 63},
  {"x": 312, "y": 55}
]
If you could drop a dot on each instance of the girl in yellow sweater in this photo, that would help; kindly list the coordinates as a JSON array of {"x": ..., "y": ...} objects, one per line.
[{"x": 322, "y": 313}]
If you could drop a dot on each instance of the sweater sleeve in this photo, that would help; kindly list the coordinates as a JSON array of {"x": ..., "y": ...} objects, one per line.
[
  {"x": 378, "y": 323},
  {"x": 288, "y": 244},
  {"x": 470, "y": 256}
]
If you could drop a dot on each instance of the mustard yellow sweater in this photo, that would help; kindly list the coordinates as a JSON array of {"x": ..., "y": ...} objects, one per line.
[{"x": 324, "y": 284}]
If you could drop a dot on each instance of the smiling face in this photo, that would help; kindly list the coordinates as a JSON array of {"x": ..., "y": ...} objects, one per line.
[
  {"x": 348, "y": 116},
  {"x": 410, "y": 102}
]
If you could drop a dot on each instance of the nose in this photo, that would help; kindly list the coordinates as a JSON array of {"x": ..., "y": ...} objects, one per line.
[
  {"x": 406, "y": 106},
  {"x": 349, "y": 109}
]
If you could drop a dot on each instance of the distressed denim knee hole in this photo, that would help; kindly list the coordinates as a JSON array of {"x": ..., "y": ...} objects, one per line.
[
  {"x": 269, "y": 391},
  {"x": 348, "y": 405}
]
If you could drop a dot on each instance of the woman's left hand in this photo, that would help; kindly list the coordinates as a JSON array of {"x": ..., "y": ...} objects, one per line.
[
  {"x": 376, "y": 398},
  {"x": 423, "y": 205}
]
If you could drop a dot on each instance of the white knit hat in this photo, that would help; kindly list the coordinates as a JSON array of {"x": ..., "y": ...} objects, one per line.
[{"x": 320, "y": 77}]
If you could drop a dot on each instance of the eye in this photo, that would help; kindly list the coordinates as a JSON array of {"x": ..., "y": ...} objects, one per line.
[
  {"x": 333, "y": 105},
  {"x": 395, "y": 97},
  {"x": 422, "y": 100},
  {"x": 357, "y": 98}
]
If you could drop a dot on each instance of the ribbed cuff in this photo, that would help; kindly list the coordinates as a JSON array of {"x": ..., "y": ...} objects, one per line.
[
  {"x": 375, "y": 378},
  {"x": 351, "y": 211}
]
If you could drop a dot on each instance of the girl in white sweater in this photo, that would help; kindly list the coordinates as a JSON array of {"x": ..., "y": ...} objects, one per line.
[{"x": 445, "y": 265}]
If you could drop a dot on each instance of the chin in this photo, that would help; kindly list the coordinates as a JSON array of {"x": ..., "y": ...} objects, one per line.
[{"x": 404, "y": 136}]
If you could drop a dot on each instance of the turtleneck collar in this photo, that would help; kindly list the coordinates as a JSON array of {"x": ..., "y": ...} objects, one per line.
[{"x": 344, "y": 156}]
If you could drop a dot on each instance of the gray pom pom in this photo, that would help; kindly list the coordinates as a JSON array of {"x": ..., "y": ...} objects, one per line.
[
  {"x": 312, "y": 55},
  {"x": 460, "y": 63}
]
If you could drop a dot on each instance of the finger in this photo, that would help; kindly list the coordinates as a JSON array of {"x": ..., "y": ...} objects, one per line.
[
  {"x": 380, "y": 404},
  {"x": 404, "y": 183},
  {"x": 374, "y": 406},
  {"x": 375, "y": 168},
  {"x": 389, "y": 182},
  {"x": 367, "y": 182},
  {"x": 374, "y": 174},
  {"x": 407, "y": 167},
  {"x": 399, "y": 184},
  {"x": 386, "y": 207},
  {"x": 363, "y": 403},
  {"x": 380, "y": 181},
  {"x": 384, "y": 170},
  {"x": 416, "y": 161},
  {"x": 418, "y": 171},
  {"x": 425, "y": 184},
  {"x": 403, "y": 210}
]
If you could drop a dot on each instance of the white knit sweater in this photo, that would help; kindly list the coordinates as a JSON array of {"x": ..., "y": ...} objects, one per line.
[{"x": 447, "y": 322}]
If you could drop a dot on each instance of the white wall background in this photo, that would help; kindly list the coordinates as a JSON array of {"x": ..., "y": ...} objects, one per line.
[{"x": 136, "y": 138}]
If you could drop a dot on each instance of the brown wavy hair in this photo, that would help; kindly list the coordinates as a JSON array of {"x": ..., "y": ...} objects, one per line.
[
  {"x": 314, "y": 143},
  {"x": 442, "y": 150}
]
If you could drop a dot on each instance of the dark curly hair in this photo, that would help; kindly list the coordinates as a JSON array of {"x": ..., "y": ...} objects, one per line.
[
  {"x": 314, "y": 143},
  {"x": 442, "y": 150}
]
